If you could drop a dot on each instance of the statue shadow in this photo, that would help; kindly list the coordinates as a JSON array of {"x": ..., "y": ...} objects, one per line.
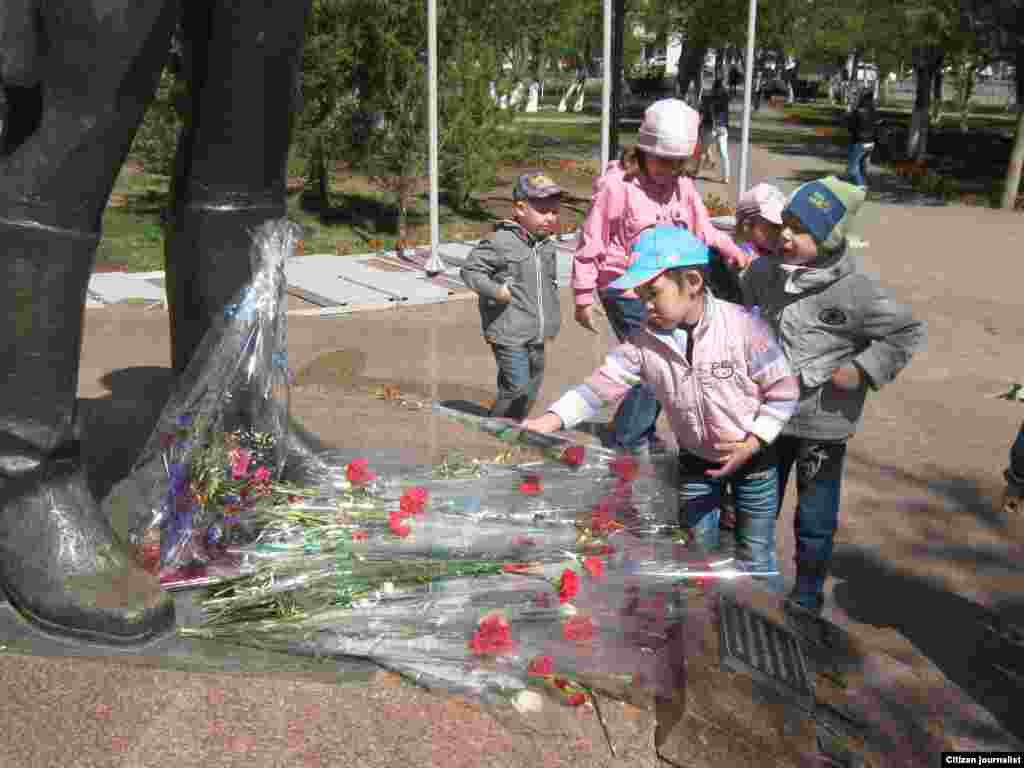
[
  {"x": 980, "y": 650},
  {"x": 114, "y": 428}
]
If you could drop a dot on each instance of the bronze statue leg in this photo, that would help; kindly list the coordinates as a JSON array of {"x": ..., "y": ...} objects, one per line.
[
  {"x": 60, "y": 564},
  {"x": 241, "y": 60}
]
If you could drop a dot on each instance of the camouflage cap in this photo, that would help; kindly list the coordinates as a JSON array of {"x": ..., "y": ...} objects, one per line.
[{"x": 535, "y": 185}]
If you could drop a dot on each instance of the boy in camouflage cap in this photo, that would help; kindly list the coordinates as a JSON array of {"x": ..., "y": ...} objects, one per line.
[
  {"x": 843, "y": 336},
  {"x": 514, "y": 272}
]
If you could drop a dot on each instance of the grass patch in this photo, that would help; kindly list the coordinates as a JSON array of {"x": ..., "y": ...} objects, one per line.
[{"x": 361, "y": 217}]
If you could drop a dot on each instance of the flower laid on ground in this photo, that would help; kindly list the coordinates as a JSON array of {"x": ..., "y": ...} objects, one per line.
[
  {"x": 572, "y": 456},
  {"x": 218, "y": 483},
  {"x": 531, "y": 485},
  {"x": 493, "y": 636},
  {"x": 358, "y": 472},
  {"x": 568, "y": 586}
]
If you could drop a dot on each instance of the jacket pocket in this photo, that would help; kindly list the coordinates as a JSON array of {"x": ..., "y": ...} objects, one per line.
[{"x": 841, "y": 404}]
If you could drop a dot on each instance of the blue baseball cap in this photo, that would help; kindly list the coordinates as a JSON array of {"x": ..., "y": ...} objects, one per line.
[{"x": 658, "y": 249}]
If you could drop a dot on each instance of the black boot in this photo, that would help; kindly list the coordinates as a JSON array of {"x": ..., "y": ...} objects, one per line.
[{"x": 61, "y": 565}]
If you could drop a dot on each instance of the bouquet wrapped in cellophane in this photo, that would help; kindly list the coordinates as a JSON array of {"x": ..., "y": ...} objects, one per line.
[
  {"x": 522, "y": 585},
  {"x": 218, "y": 449}
]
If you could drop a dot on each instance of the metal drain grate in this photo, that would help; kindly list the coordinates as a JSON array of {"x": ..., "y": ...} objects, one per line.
[{"x": 752, "y": 644}]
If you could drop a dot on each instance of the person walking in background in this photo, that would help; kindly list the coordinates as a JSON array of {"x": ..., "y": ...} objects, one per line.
[
  {"x": 843, "y": 336},
  {"x": 648, "y": 187},
  {"x": 721, "y": 376},
  {"x": 1014, "y": 495},
  {"x": 863, "y": 124},
  {"x": 514, "y": 272},
  {"x": 758, "y": 84},
  {"x": 720, "y": 121},
  {"x": 734, "y": 80}
]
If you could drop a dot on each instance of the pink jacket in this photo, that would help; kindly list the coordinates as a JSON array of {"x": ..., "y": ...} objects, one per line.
[
  {"x": 624, "y": 204},
  {"x": 738, "y": 383}
]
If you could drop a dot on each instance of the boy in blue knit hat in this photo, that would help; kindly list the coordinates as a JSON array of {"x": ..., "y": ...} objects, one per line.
[{"x": 843, "y": 336}]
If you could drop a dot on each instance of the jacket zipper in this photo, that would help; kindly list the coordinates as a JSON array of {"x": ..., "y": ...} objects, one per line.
[{"x": 540, "y": 290}]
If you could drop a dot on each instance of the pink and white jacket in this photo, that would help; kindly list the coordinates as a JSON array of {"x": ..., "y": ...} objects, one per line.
[
  {"x": 739, "y": 381},
  {"x": 624, "y": 204}
]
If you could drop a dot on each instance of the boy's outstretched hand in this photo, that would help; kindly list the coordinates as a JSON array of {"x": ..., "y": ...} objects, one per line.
[
  {"x": 735, "y": 455},
  {"x": 848, "y": 377},
  {"x": 549, "y": 422}
]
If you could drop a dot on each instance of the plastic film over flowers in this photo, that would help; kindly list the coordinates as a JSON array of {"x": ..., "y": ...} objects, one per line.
[{"x": 218, "y": 449}]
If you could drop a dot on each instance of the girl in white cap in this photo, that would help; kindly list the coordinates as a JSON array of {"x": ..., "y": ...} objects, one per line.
[
  {"x": 759, "y": 220},
  {"x": 651, "y": 189}
]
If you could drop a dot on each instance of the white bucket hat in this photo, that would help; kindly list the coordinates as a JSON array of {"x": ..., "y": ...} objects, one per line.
[{"x": 669, "y": 129}]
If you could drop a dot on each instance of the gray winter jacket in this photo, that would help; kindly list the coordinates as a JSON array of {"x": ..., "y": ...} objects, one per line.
[
  {"x": 827, "y": 316},
  {"x": 529, "y": 268}
]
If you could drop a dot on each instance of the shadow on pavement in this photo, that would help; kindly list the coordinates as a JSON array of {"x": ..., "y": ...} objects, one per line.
[
  {"x": 977, "y": 649},
  {"x": 115, "y": 428}
]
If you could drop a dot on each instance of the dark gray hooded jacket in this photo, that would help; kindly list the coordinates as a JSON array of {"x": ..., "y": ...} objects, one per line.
[
  {"x": 529, "y": 268},
  {"x": 826, "y": 316}
]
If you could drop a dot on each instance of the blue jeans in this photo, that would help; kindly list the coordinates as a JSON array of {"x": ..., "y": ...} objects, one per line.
[
  {"x": 757, "y": 500},
  {"x": 639, "y": 410},
  {"x": 857, "y": 163},
  {"x": 819, "y": 475},
  {"x": 1015, "y": 472},
  {"x": 520, "y": 374}
]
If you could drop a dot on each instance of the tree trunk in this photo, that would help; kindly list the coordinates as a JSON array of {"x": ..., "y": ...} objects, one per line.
[
  {"x": 1012, "y": 183},
  {"x": 917, "y": 137},
  {"x": 964, "y": 92},
  {"x": 317, "y": 179},
  {"x": 937, "y": 81},
  {"x": 619, "y": 22},
  {"x": 691, "y": 71}
]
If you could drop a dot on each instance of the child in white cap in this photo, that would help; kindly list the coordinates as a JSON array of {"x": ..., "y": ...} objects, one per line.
[
  {"x": 723, "y": 380},
  {"x": 649, "y": 188},
  {"x": 759, "y": 220}
]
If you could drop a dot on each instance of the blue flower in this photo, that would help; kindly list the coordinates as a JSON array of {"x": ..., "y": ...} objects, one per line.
[
  {"x": 179, "y": 480},
  {"x": 183, "y": 421},
  {"x": 280, "y": 360}
]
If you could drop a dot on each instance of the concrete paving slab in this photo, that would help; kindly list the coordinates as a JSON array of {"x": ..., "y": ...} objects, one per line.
[
  {"x": 115, "y": 287},
  {"x": 316, "y": 279}
]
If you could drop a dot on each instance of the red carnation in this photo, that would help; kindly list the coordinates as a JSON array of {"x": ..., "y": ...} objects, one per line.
[
  {"x": 560, "y": 683},
  {"x": 516, "y": 568},
  {"x": 361, "y": 535},
  {"x": 413, "y": 501},
  {"x": 358, "y": 472},
  {"x": 569, "y": 586},
  {"x": 578, "y": 629},
  {"x": 396, "y": 525},
  {"x": 530, "y": 485},
  {"x": 542, "y": 665},
  {"x": 601, "y": 518},
  {"x": 577, "y": 699},
  {"x": 492, "y": 636},
  {"x": 594, "y": 566},
  {"x": 573, "y": 456},
  {"x": 625, "y": 468}
]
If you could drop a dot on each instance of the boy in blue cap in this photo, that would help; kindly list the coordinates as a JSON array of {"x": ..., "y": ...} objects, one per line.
[
  {"x": 843, "y": 336},
  {"x": 514, "y": 272},
  {"x": 722, "y": 379}
]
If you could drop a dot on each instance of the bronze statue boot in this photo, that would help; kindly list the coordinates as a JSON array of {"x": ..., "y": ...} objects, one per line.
[{"x": 61, "y": 565}]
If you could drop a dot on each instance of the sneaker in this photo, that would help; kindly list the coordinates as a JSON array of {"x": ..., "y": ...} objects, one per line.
[{"x": 809, "y": 625}]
